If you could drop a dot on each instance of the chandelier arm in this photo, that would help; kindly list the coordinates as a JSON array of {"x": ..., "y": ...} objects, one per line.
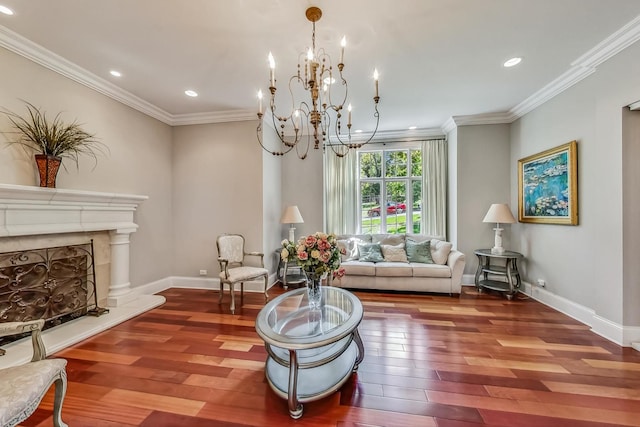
[{"x": 356, "y": 145}]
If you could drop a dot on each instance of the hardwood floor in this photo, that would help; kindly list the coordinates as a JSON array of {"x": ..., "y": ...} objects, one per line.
[{"x": 477, "y": 360}]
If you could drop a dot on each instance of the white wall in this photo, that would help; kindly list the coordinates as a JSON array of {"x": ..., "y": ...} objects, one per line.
[
  {"x": 272, "y": 206},
  {"x": 631, "y": 215},
  {"x": 483, "y": 165},
  {"x": 139, "y": 160},
  {"x": 584, "y": 263},
  {"x": 302, "y": 185},
  {"x": 218, "y": 188}
]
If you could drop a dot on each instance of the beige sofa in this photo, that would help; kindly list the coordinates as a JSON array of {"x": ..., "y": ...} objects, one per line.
[{"x": 398, "y": 272}]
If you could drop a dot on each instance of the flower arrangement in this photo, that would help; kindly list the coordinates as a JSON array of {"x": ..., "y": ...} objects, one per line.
[{"x": 317, "y": 254}]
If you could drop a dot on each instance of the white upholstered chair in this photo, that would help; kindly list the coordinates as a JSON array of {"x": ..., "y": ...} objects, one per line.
[
  {"x": 231, "y": 256},
  {"x": 23, "y": 387}
]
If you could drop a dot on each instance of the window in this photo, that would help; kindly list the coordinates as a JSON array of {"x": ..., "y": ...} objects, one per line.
[{"x": 390, "y": 190}]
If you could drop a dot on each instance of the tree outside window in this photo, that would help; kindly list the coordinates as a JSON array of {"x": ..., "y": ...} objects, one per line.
[{"x": 390, "y": 191}]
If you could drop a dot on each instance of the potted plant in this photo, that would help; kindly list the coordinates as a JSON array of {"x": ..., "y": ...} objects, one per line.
[{"x": 52, "y": 141}]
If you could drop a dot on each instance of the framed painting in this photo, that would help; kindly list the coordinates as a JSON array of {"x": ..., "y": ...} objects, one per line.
[{"x": 548, "y": 186}]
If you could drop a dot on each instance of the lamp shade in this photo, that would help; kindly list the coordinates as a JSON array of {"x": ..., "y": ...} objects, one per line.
[
  {"x": 291, "y": 215},
  {"x": 499, "y": 213}
]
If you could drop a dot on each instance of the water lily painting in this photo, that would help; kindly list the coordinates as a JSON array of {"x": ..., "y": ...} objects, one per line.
[{"x": 548, "y": 186}]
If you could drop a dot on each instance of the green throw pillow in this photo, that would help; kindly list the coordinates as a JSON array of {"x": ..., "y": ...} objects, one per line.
[
  {"x": 419, "y": 252},
  {"x": 370, "y": 252}
]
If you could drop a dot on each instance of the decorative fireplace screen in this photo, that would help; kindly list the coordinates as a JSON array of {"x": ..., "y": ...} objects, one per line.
[{"x": 56, "y": 284}]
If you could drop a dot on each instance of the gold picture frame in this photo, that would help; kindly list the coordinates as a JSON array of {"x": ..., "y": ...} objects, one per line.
[{"x": 548, "y": 186}]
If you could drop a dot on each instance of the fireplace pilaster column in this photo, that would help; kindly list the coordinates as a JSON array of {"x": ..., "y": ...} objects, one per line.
[{"x": 120, "y": 287}]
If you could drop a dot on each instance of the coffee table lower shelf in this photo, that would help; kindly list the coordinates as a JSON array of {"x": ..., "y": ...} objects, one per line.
[{"x": 316, "y": 382}]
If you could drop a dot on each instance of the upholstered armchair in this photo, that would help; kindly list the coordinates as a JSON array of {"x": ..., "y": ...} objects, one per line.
[
  {"x": 231, "y": 256},
  {"x": 23, "y": 387}
]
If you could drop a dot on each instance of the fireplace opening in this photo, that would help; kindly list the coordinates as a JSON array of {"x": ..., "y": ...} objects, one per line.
[{"x": 56, "y": 284}]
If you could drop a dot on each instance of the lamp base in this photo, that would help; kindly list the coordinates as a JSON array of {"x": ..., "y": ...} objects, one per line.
[
  {"x": 497, "y": 248},
  {"x": 292, "y": 234}
]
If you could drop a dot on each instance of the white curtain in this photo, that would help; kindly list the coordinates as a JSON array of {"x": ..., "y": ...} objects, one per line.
[
  {"x": 340, "y": 192},
  {"x": 434, "y": 188}
]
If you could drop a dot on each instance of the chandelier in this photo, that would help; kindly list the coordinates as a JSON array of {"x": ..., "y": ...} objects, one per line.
[{"x": 320, "y": 116}]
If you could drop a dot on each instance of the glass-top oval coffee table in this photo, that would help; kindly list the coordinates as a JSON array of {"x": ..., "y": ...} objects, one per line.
[{"x": 311, "y": 352}]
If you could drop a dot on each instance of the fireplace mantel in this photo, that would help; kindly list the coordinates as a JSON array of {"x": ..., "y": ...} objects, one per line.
[
  {"x": 28, "y": 210},
  {"x": 33, "y": 211}
]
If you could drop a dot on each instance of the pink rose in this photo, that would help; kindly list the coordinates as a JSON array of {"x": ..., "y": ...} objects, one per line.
[
  {"x": 325, "y": 256},
  {"x": 302, "y": 255},
  {"x": 323, "y": 245},
  {"x": 310, "y": 241}
]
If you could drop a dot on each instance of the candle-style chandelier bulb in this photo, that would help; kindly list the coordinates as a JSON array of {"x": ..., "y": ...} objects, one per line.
[{"x": 320, "y": 117}]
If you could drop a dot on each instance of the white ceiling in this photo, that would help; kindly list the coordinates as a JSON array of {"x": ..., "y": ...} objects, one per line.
[{"x": 436, "y": 58}]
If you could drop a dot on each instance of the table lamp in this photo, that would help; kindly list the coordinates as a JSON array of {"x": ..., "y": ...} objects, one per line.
[
  {"x": 291, "y": 216},
  {"x": 499, "y": 213}
]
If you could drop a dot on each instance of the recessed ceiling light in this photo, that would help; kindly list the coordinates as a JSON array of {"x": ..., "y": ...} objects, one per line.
[
  {"x": 191, "y": 93},
  {"x": 329, "y": 80},
  {"x": 358, "y": 130},
  {"x": 5, "y": 10},
  {"x": 115, "y": 73},
  {"x": 413, "y": 127},
  {"x": 512, "y": 62}
]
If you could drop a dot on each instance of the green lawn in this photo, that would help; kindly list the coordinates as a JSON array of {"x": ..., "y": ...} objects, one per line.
[{"x": 395, "y": 223}]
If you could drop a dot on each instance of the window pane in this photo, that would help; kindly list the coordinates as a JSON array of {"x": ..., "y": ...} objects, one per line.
[
  {"x": 396, "y": 206},
  {"x": 416, "y": 187},
  {"x": 395, "y": 163},
  {"x": 371, "y": 165},
  {"x": 370, "y": 195},
  {"x": 416, "y": 162}
]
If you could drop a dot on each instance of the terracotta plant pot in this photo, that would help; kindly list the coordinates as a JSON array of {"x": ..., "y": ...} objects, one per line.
[{"x": 48, "y": 169}]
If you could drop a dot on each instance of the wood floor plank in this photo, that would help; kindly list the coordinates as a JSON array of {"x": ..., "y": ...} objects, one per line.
[{"x": 430, "y": 360}]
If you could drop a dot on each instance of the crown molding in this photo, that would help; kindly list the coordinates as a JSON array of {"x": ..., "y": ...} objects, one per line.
[
  {"x": 213, "y": 117},
  {"x": 551, "y": 90},
  {"x": 394, "y": 135},
  {"x": 612, "y": 45},
  {"x": 34, "y": 52},
  {"x": 635, "y": 106},
  {"x": 581, "y": 68},
  {"x": 478, "y": 119}
]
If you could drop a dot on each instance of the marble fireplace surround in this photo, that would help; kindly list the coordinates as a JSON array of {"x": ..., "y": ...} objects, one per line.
[{"x": 30, "y": 214}]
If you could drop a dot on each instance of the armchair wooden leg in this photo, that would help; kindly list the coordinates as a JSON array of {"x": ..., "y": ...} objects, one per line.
[
  {"x": 220, "y": 293},
  {"x": 233, "y": 298},
  {"x": 241, "y": 294},
  {"x": 266, "y": 280},
  {"x": 61, "y": 390}
]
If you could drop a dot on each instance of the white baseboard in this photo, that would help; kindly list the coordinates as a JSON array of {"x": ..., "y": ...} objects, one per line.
[
  {"x": 622, "y": 335},
  {"x": 626, "y": 336},
  {"x": 468, "y": 279},
  {"x": 196, "y": 283}
]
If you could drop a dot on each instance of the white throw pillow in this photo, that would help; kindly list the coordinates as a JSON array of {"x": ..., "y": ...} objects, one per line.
[
  {"x": 394, "y": 253},
  {"x": 440, "y": 251}
]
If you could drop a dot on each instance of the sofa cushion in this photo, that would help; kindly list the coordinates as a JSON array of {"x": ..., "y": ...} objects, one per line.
[
  {"x": 393, "y": 269},
  {"x": 388, "y": 239},
  {"x": 394, "y": 253},
  {"x": 440, "y": 251},
  {"x": 430, "y": 270},
  {"x": 359, "y": 268},
  {"x": 419, "y": 252},
  {"x": 370, "y": 252},
  {"x": 350, "y": 245},
  {"x": 422, "y": 237}
]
